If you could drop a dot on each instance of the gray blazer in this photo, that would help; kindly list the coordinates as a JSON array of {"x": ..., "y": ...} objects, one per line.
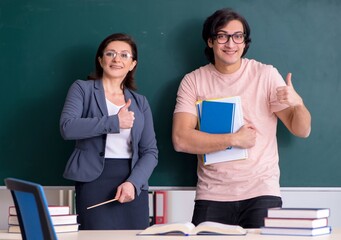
[{"x": 85, "y": 119}]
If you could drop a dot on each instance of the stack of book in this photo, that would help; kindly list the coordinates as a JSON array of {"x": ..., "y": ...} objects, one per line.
[
  {"x": 221, "y": 116},
  {"x": 297, "y": 221},
  {"x": 61, "y": 218}
]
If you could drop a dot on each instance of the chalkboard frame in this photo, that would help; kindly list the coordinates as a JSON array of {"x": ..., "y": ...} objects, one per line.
[{"x": 46, "y": 45}]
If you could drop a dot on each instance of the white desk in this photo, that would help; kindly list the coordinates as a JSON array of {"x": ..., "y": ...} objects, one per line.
[{"x": 131, "y": 235}]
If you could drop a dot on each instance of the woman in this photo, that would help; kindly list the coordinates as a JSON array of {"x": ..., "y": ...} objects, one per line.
[{"x": 115, "y": 151}]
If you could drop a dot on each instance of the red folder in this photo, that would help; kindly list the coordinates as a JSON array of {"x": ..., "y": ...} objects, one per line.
[{"x": 160, "y": 207}]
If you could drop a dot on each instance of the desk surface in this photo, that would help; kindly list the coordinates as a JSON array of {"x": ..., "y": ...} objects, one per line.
[{"x": 131, "y": 235}]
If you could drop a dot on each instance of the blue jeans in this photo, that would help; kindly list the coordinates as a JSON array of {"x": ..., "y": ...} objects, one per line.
[{"x": 249, "y": 213}]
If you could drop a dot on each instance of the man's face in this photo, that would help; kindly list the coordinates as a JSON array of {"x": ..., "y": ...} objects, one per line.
[{"x": 228, "y": 55}]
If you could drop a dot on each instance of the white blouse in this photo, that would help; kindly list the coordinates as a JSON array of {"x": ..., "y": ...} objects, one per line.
[{"x": 118, "y": 145}]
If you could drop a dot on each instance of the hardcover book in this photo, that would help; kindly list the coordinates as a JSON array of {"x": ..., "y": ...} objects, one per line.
[
  {"x": 54, "y": 210},
  {"x": 296, "y": 222},
  {"x": 57, "y": 228},
  {"x": 56, "y": 219},
  {"x": 296, "y": 231},
  {"x": 298, "y": 212}
]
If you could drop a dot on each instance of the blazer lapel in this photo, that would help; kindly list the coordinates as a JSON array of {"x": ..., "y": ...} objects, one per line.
[
  {"x": 133, "y": 107},
  {"x": 128, "y": 95},
  {"x": 100, "y": 97}
]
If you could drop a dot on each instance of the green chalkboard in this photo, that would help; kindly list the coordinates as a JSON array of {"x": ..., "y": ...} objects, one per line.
[{"x": 45, "y": 45}]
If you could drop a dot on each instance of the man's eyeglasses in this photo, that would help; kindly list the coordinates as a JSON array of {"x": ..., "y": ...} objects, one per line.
[
  {"x": 123, "y": 55},
  {"x": 223, "y": 38}
]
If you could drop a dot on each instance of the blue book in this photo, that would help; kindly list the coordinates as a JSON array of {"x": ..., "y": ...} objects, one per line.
[
  {"x": 217, "y": 117},
  {"x": 221, "y": 115}
]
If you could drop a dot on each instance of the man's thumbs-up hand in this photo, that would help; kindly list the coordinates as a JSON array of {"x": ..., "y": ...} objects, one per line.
[{"x": 288, "y": 95}]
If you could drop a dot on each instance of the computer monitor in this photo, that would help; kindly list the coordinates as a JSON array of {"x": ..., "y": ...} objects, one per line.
[{"x": 32, "y": 210}]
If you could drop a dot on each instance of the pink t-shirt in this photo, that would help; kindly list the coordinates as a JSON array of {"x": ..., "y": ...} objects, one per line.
[{"x": 256, "y": 84}]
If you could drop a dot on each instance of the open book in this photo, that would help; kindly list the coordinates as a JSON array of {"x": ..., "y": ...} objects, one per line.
[{"x": 187, "y": 228}]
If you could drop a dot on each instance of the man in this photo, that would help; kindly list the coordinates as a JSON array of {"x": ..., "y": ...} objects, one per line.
[{"x": 237, "y": 192}]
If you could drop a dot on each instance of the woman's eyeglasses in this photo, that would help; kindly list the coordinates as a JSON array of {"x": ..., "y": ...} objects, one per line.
[{"x": 123, "y": 55}]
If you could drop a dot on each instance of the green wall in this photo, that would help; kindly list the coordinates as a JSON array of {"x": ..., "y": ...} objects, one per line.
[{"x": 45, "y": 45}]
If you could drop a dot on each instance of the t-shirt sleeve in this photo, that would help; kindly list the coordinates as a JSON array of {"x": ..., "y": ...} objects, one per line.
[
  {"x": 275, "y": 80},
  {"x": 186, "y": 96}
]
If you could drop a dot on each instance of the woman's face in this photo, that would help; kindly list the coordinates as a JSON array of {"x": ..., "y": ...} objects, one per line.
[{"x": 117, "y": 60}]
